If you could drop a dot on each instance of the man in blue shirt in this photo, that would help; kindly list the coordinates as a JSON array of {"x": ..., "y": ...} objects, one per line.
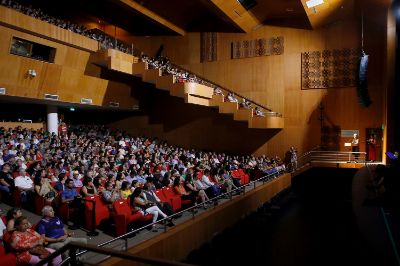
[
  {"x": 53, "y": 231},
  {"x": 71, "y": 197}
]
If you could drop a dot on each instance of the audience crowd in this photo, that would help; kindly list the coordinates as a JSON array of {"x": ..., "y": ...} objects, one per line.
[{"x": 94, "y": 160}]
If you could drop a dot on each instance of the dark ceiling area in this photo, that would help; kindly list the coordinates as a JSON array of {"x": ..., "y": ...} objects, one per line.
[
  {"x": 105, "y": 10},
  {"x": 284, "y": 13},
  {"x": 188, "y": 15},
  {"x": 192, "y": 15}
]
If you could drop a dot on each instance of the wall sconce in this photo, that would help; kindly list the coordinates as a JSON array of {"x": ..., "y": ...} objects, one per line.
[{"x": 31, "y": 73}]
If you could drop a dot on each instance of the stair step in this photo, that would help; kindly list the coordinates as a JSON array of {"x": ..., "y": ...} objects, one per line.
[
  {"x": 165, "y": 82},
  {"x": 243, "y": 115},
  {"x": 193, "y": 93},
  {"x": 151, "y": 75},
  {"x": 266, "y": 122},
  {"x": 228, "y": 108}
]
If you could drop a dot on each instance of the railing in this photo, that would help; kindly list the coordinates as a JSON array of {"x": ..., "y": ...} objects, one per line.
[
  {"x": 213, "y": 85},
  {"x": 271, "y": 175},
  {"x": 74, "y": 246},
  {"x": 318, "y": 156}
]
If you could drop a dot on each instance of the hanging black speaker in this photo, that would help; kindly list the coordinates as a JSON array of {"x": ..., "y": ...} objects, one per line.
[
  {"x": 248, "y": 4},
  {"x": 362, "y": 88}
]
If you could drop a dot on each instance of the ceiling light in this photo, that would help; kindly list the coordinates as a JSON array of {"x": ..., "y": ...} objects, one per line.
[
  {"x": 313, "y": 3},
  {"x": 289, "y": 9}
]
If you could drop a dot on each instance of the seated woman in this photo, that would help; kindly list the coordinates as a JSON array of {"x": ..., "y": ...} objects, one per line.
[
  {"x": 137, "y": 200},
  {"x": 28, "y": 244},
  {"x": 88, "y": 189},
  {"x": 218, "y": 91},
  {"x": 258, "y": 112},
  {"x": 180, "y": 190},
  {"x": 44, "y": 189},
  {"x": 126, "y": 190},
  {"x": 12, "y": 214},
  {"x": 231, "y": 98},
  {"x": 190, "y": 186}
]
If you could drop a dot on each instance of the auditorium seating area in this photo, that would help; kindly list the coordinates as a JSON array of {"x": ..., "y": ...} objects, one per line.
[{"x": 103, "y": 156}]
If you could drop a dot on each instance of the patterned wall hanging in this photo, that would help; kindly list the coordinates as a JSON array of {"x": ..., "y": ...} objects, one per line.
[
  {"x": 208, "y": 46},
  {"x": 258, "y": 47},
  {"x": 329, "y": 68}
]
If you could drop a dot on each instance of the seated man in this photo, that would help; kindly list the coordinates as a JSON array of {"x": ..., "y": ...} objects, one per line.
[
  {"x": 6, "y": 180},
  {"x": 52, "y": 230},
  {"x": 245, "y": 104},
  {"x": 25, "y": 184},
  {"x": 71, "y": 197},
  {"x": 110, "y": 194}
]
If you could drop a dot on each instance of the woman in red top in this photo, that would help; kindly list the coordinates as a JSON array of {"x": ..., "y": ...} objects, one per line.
[{"x": 28, "y": 244}]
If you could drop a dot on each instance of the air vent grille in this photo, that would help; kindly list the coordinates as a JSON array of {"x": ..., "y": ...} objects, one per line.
[
  {"x": 86, "y": 101},
  {"x": 53, "y": 97}
]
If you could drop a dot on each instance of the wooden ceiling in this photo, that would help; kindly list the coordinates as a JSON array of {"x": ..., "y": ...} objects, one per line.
[{"x": 177, "y": 17}]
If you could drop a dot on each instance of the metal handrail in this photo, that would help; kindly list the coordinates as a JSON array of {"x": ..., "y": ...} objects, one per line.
[
  {"x": 74, "y": 246},
  {"x": 238, "y": 190},
  {"x": 223, "y": 88},
  {"x": 316, "y": 155}
]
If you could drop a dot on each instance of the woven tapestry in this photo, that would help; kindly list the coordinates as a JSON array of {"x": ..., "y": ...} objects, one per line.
[
  {"x": 258, "y": 47},
  {"x": 208, "y": 46},
  {"x": 329, "y": 69}
]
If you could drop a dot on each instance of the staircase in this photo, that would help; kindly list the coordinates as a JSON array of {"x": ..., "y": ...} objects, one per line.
[{"x": 192, "y": 93}]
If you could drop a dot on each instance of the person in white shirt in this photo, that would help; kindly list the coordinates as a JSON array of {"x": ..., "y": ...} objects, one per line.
[
  {"x": 25, "y": 184},
  {"x": 23, "y": 181},
  {"x": 354, "y": 146}
]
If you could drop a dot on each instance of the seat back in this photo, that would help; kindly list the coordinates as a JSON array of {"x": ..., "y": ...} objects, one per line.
[
  {"x": 101, "y": 211},
  {"x": 161, "y": 196},
  {"x": 174, "y": 200},
  {"x": 122, "y": 207}
]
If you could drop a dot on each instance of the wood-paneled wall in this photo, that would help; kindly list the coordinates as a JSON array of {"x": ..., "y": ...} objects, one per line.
[
  {"x": 35, "y": 126},
  {"x": 40, "y": 28},
  {"x": 275, "y": 81},
  {"x": 67, "y": 76}
]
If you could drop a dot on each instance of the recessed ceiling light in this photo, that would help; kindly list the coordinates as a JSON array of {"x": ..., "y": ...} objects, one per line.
[{"x": 313, "y": 3}]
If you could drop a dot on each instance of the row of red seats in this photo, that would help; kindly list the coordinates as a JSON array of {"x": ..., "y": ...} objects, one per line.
[{"x": 124, "y": 215}]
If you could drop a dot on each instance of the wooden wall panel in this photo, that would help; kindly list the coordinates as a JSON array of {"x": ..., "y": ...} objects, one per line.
[
  {"x": 119, "y": 92},
  {"x": 51, "y": 80},
  {"x": 65, "y": 55},
  {"x": 275, "y": 81},
  {"x": 35, "y": 126}
]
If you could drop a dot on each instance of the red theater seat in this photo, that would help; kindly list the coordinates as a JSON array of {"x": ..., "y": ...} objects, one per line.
[
  {"x": 124, "y": 217},
  {"x": 174, "y": 200},
  {"x": 101, "y": 211}
]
